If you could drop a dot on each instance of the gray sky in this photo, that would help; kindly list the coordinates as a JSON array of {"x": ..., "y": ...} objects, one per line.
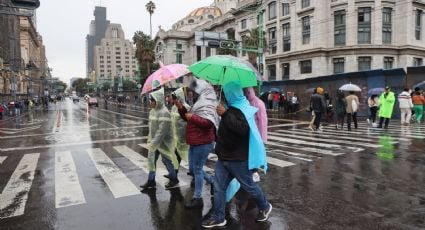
[{"x": 65, "y": 24}]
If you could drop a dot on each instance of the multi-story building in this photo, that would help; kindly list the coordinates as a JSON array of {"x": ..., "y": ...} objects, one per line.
[
  {"x": 115, "y": 56},
  {"x": 310, "y": 38}
]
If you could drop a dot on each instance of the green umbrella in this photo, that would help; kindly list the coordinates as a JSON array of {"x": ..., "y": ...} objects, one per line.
[{"x": 221, "y": 69}]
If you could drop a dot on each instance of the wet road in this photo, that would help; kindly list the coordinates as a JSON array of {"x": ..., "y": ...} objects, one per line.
[{"x": 74, "y": 167}]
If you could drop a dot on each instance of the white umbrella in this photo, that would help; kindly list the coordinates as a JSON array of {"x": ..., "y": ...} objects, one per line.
[{"x": 350, "y": 87}]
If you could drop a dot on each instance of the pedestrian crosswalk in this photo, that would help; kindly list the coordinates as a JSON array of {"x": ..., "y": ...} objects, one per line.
[{"x": 286, "y": 147}]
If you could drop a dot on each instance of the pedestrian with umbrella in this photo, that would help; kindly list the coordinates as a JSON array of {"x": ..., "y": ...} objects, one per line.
[
  {"x": 351, "y": 110},
  {"x": 387, "y": 100}
]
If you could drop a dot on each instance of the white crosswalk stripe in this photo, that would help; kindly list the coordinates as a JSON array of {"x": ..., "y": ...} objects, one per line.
[
  {"x": 15, "y": 195},
  {"x": 2, "y": 158},
  {"x": 322, "y": 145},
  {"x": 68, "y": 191},
  {"x": 116, "y": 180}
]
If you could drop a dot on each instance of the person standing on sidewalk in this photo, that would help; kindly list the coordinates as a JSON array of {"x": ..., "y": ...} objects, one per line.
[
  {"x": 202, "y": 122},
  {"x": 318, "y": 107},
  {"x": 373, "y": 103},
  {"x": 238, "y": 140},
  {"x": 387, "y": 100},
  {"x": 419, "y": 103},
  {"x": 340, "y": 109},
  {"x": 406, "y": 106},
  {"x": 160, "y": 141},
  {"x": 352, "y": 107}
]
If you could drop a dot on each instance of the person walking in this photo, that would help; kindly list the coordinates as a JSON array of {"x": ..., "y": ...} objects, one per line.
[
  {"x": 318, "y": 107},
  {"x": 351, "y": 109},
  {"x": 202, "y": 122},
  {"x": 386, "y": 100},
  {"x": 276, "y": 98},
  {"x": 178, "y": 126},
  {"x": 341, "y": 105},
  {"x": 294, "y": 103},
  {"x": 418, "y": 103},
  {"x": 406, "y": 106},
  {"x": 270, "y": 99},
  {"x": 238, "y": 140},
  {"x": 261, "y": 116},
  {"x": 373, "y": 103},
  {"x": 160, "y": 141}
]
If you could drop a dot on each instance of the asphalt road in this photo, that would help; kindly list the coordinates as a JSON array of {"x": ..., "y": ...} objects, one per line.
[{"x": 74, "y": 167}]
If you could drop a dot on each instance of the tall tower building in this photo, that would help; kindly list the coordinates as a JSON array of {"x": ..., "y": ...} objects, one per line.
[{"x": 97, "y": 32}]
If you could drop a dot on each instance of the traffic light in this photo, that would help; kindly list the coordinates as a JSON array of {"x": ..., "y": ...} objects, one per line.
[
  {"x": 227, "y": 45},
  {"x": 26, "y": 4}
]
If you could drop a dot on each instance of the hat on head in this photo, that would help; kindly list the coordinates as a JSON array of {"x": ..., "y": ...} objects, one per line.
[
  {"x": 387, "y": 87},
  {"x": 320, "y": 90}
]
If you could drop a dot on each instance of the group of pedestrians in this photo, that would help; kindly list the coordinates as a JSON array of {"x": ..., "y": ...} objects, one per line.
[
  {"x": 285, "y": 102},
  {"x": 235, "y": 131}
]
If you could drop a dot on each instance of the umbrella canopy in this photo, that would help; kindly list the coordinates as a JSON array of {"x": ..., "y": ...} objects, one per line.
[
  {"x": 221, "y": 69},
  {"x": 275, "y": 90},
  {"x": 376, "y": 91},
  {"x": 350, "y": 87},
  {"x": 420, "y": 84},
  {"x": 164, "y": 75},
  {"x": 310, "y": 90}
]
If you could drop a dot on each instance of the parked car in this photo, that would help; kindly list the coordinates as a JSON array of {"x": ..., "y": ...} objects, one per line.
[
  {"x": 75, "y": 98},
  {"x": 92, "y": 101}
]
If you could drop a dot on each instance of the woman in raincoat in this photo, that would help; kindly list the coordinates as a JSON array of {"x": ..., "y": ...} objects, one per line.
[
  {"x": 178, "y": 126},
  {"x": 160, "y": 141},
  {"x": 387, "y": 100}
]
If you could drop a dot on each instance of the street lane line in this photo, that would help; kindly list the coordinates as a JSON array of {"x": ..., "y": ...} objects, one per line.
[
  {"x": 376, "y": 131},
  {"x": 72, "y": 144},
  {"x": 123, "y": 114},
  {"x": 68, "y": 191},
  {"x": 116, "y": 180},
  {"x": 15, "y": 195},
  {"x": 2, "y": 158},
  {"x": 142, "y": 162},
  {"x": 286, "y": 125},
  {"x": 322, "y": 139},
  {"x": 287, "y": 154},
  {"x": 330, "y": 135},
  {"x": 306, "y": 149}
]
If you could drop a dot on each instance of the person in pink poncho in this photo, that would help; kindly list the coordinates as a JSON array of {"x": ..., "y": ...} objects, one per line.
[{"x": 261, "y": 115}]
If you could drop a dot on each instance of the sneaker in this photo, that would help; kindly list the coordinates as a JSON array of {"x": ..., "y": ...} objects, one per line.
[
  {"x": 212, "y": 223},
  {"x": 172, "y": 184},
  {"x": 368, "y": 121},
  {"x": 194, "y": 203},
  {"x": 148, "y": 185},
  {"x": 263, "y": 215},
  {"x": 311, "y": 128},
  {"x": 256, "y": 177}
]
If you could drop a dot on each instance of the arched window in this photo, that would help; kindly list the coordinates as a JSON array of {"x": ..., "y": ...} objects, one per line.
[
  {"x": 210, "y": 16},
  {"x": 191, "y": 21}
]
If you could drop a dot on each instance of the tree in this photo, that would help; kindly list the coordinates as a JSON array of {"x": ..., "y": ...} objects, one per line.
[
  {"x": 106, "y": 86},
  {"x": 129, "y": 85},
  {"x": 80, "y": 85},
  {"x": 60, "y": 86},
  {"x": 145, "y": 54},
  {"x": 252, "y": 41},
  {"x": 150, "y": 7}
]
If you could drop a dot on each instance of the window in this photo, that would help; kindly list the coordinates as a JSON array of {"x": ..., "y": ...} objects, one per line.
[
  {"x": 179, "y": 46},
  {"x": 272, "y": 72},
  {"x": 117, "y": 48},
  {"x": 243, "y": 24},
  {"x": 117, "y": 53},
  {"x": 286, "y": 37},
  {"x": 339, "y": 27},
  {"x": 127, "y": 66},
  {"x": 338, "y": 65},
  {"x": 127, "y": 53},
  {"x": 179, "y": 58},
  {"x": 418, "y": 24},
  {"x": 191, "y": 21},
  {"x": 305, "y": 66},
  {"x": 102, "y": 61},
  {"x": 118, "y": 62},
  {"x": 210, "y": 16},
  {"x": 102, "y": 66},
  {"x": 306, "y": 30},
  {"x": 285, "y": 9},
  {"x": 198, "y": 53},
  {"x": 417, "y": 62},
  {"x": 305, "y": 3},
  {"x": 109, "y": 66},
  {"x": 364, "y": 25},
  {"x": 108, "y": 57},
  {"x": 108, "y": 62},
  {"x": 285, "y": 71},
  {"x": 388, "y": 62},
  {"x": 118, "y": 57},
  {"x": 272, "y": 40},
  {"x": 101, "y": 57},
  {"x": 364, "y": 63},
  {"x": 386, "y": 25},
  {"x": 272, "y": 10}
]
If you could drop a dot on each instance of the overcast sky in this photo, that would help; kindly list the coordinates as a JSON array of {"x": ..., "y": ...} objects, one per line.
[{"x": 64, "y": 25}]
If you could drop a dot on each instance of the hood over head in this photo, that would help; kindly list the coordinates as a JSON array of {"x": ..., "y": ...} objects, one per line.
[
  {"x": 158, "y": 96},
  {"x": 179, "y": 93}
]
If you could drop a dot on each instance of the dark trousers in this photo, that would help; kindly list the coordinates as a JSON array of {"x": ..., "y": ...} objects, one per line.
[
  {"x": 270, "y": 104},
  {"x": 373, "y": 111},
  {"x": 317, "y": 119},
  {"x": 340, "y": 119},
  {"x": 381, "y": 121},
  {"x": 349, "y": 116}
]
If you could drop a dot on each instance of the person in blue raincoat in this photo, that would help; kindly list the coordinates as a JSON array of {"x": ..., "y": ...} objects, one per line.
[{"x": 240, "y": 149}]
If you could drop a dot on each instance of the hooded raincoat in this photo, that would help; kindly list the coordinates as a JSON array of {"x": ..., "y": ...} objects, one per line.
[
  {"x": 206, "y": 104},
  {"x": 178, "y": 126},
  {"x": 261, "y": 115},
  {"x": 160, "y": 138},
  {"x": 387, "y": 105},
  {"x": 257, "y": 151}
]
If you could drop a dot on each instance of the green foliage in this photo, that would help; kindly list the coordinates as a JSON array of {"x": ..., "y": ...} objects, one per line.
[
  {"x": 129, "y": 84},
  {"x": 106, "y": 86},
  {"x": 145, "y": 54},
  {"x": 252, "y": 41},
  {"x": 80, "y": 85},
  {"x": 60, "y": 86}
]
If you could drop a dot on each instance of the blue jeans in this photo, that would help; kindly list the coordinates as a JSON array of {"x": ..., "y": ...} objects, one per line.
[
  {"x": 168, "y": 164},
  {"x": 198, "y": 155},
  {"x": 225, "y": 171}
]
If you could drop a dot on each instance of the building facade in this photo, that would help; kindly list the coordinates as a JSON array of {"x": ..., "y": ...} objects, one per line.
[
  {"x": 115, "y": 56},
  {"x": 310, "y": 38}
]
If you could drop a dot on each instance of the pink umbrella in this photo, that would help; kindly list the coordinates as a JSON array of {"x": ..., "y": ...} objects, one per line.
[{"x": 164, "y": 75}]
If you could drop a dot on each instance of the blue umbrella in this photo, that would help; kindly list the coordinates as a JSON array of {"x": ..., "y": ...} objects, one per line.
[{"x": 376, "y": 91}]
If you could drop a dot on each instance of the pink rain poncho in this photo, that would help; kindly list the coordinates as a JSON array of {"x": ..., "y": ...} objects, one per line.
[{"x": 261, "y": 115}]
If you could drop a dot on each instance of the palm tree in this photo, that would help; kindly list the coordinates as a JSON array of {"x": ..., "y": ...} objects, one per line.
[
  {"x": 150, "y": 7},
  {"x": 252, "y": 41},
  {"x": 145, "y": 53}
]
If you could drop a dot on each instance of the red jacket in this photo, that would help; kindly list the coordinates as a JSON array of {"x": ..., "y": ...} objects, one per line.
[{"x": 199, "y": 131}]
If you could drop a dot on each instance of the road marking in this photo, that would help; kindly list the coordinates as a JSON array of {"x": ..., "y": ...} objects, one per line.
[
  {"x": 288, "y": 154},
  {"x": 322, "y": 139},
  {"x": 15, "y": 195},
  {"x": 13, "y": 131},
  {"x": 72, "y": 144},
  {"x": 375, "y": 131},
  {"x": 123, "y": 114},
  {"x": 285, "y": 125},
  {"x": 116, "y": 180},
  {"x": 2, "y": 158},
  {"x": 68, "y": 191},
  {"x": 306, "y": 149}
]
